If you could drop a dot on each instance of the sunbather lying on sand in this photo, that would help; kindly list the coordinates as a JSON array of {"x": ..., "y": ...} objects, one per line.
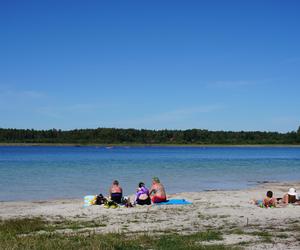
[
  {"x": 268, "y": 201},
  {"x": 291, "y": 197}
]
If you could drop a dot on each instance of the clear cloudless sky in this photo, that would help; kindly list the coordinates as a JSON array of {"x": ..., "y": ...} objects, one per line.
[{"x": 217, "y": 65}]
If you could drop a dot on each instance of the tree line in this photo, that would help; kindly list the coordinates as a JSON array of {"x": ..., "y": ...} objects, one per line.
[{"x": 144, "y": 136}]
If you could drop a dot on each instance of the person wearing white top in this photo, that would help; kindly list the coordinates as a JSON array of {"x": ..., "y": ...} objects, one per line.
[{"x": 291, "y": 196}]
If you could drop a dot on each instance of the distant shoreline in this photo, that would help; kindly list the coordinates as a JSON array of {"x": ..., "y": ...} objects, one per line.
[{"x": 147, "y": 145}]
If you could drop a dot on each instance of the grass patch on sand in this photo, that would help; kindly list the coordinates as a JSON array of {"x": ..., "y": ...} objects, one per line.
[
  {"x": 237, "y": 231},
  {"x": 22, "y": 226},
  {"x": 32, "y": 225},
  {"x": 208, "y": 235},
  {"x": 25, "y": 234},
  {"x": 282, "y": 236},
  {"x": 265, "y": 236},
  {"x": 74, "y": 225}
]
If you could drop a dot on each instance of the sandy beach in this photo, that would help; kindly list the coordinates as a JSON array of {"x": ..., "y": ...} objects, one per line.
[{"x": 230, "y": 212}]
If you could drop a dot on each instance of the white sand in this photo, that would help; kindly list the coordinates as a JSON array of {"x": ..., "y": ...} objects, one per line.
[{"x": 228, "y": 211}]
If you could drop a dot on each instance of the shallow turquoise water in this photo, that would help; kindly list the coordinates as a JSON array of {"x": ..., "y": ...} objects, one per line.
[{"x": 31, "y": 173}]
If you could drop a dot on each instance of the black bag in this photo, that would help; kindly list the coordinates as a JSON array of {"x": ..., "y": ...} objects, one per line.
[{"x": 100, "y": 199}]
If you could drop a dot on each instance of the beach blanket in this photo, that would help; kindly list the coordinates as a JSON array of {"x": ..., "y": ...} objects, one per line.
[
  {"x": 89, "y": 200},
  {"x": 175, "y": 202}
]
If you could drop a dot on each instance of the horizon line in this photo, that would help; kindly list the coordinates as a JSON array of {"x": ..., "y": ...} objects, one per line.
[{"x": 155, "y": 130}]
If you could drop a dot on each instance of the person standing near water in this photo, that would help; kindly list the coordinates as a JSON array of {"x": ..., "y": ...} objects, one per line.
[
  {"x": 116, "y": 192},
  {"x": 157, "y": 191}
]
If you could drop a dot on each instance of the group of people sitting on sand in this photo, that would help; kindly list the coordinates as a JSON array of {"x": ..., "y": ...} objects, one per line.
[
  {"x": 157, "y": 194},
  {"x": 144, "y": 196},
  {"x": 291, "y": 197}
]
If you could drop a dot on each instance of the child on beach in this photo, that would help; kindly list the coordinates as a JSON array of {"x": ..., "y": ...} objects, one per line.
[{"x": 268, "y": 201}]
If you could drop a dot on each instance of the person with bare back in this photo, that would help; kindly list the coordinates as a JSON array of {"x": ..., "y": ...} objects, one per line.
[
  {"x": 116, "y": 192},
  {"x": 157, "y": 191}
]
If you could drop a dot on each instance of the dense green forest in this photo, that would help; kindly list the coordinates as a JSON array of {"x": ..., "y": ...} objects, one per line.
[{"x": 135, "y": 136}]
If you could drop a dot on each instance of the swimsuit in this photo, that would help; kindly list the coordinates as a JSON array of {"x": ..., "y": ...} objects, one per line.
[
  {"x": 116, "y": 197},
  {"x": 269, "y": 203},
  {"x": 158, "y": 199},
  {"x": 144, "y": 202},
  {"x": 143, "y": 190}
]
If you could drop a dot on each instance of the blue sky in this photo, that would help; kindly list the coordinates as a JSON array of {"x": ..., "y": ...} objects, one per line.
[{"x": 217, "y": 65}]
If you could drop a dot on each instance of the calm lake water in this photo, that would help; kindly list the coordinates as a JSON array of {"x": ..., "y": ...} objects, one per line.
[{"x": 33, "y": 173}]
